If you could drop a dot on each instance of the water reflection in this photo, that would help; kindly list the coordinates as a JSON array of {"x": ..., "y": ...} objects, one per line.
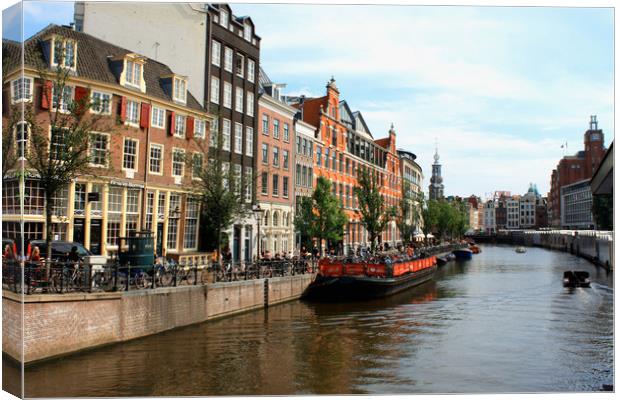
[{"x": 499, "y": 323}]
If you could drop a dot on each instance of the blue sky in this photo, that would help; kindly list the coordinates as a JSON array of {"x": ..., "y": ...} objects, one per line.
[{"x": 500, "y": 88}]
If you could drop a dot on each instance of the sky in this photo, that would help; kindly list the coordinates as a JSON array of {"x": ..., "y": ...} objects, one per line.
[{"x": 500, "y": 89}]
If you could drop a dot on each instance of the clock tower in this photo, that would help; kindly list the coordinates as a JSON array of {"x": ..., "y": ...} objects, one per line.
[
  {"x": 593, "y": 141},
  {"x": 435, "y": 189}
]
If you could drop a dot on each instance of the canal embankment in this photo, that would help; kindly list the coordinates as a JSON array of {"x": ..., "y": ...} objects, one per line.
[
  {"x": 594, "y": 246},
  {"x": 56, "y": 325}
]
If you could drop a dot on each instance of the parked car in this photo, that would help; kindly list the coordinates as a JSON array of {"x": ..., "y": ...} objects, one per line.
[{"x": 60, "y": 249}]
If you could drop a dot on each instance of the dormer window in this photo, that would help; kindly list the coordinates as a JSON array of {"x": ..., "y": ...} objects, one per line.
[
  {"x": 180, "y": 90},
  {"x": 64, "y": 53},
  {"x": 247, "y": 32},
  {"x": 133, "y": 73},
  {"x": 224, "y": 18}
]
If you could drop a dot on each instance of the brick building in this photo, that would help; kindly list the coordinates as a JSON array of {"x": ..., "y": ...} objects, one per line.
[
  {"x": 576, "y": 168},
  {"x": 275, "y": 166},
  {"x": 150, "y": 123},
  {"x": 412, "y": 177},
  {"x": 347, "y": 146}
]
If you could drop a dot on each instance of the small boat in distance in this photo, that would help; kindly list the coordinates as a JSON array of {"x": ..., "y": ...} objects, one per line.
[
  {"x": 520, "y": 249},
  {"x": 463, "y": 254},
  {"x": 576, "y": 279}
]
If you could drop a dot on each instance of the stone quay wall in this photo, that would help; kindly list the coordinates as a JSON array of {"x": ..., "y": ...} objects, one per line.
[{"x": 56, "y": 325}]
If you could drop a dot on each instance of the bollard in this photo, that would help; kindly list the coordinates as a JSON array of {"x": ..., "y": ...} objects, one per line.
[
  {"x": 195, "y": 274},
  {"x": 90, "y": 278},
  {"x": 153, "y": 279},
  {"x": 174, "y": 278},
  {"x": 128, "y": 277},
  {"x": 114, "y": 288}
]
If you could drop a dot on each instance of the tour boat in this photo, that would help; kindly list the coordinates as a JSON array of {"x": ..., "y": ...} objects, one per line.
[
  {"x": 576, "y": 279},
  {"x": 339, "y": 280},
  {"x": 463, "y": 254}
]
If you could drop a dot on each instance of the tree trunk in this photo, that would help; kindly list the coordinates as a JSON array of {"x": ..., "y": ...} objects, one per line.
[{"x": 49, "y": 210}]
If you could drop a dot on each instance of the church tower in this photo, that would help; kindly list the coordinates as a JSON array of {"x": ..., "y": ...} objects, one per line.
[{"x": 435, "y": 189}]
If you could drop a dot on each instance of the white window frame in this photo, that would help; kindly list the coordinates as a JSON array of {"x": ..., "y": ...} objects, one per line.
[
  {"x": 132, "y": 81},
  {"x": 247, "y": 32},
  {"x": 251, "y": 70},
  {"x": 63, "y": 106},
  {"x": 248, "y": 186},
  {"x": 227, "y": 95},
  {"x": 27, "y": 97},
  {"x": 108, "y": 109},
  {"x": 286, "y": 132},
  {"x": 249, "y": 141},
  {"x": 156, "y": 111},
  {"x": 249, "y": 98},
  {"x": 200, "y": 128},
  {"x": 216, "y": 53},
  {"x": 136, "y": 155},
  {"x": 25, "y": 140},
  {"x": 176, "y": 150},
  {"x": 215, "y": 90},
  {"x": 180, "y": 90},
  {"x": 238, "y": 138},
  {"x": 64, "y": 46},
  {"x": 214, "y": 132},
  {"x": 224, "y": 18},
  {"x": 240, "y": 73},
  {"x": 202, "y": 160},
  {"x": 226, "y": 134},
  {"x": 178, "y": 132},
  {"x": 239, "y": 99},
  {"x": 107, "y": 150},
  {"x": 161, "y": 159},
  {"x": 127, "y": 107},
  {"x": 228, "y": 59}
]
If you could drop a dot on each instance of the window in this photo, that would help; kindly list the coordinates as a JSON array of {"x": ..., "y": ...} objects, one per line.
[
  {"x": 275, "y": 222},
  {"x": 265, "y": 153},
  {"x": 216, "y": 52},
  {"x": 275, "y": 182},
  {"x": 22, "y": 139},
  {"x": 79, "y": 202},
  {"x": 265, "y": 124},
  {"x": 318, "y": 155},
  {"x": 200, "y": 126},
  {"x": 190, "y": 233},
  {"x": 133, "y": 113},
  {"x": 249, "y": 107},
  {"x": 285, "y": 159},
  {"x": 237, "y": 178},
  {"x": 298, "y": 174},
  {"x": 21, "y": 89},
  {"x": 62, "y": 103},
  {"x": 179, "y": 125},
  {"x": 304, "y": 176},
  {"x": 133, "y": 73},
  {"x": 115, "y": 209},
  {"x": 276, "y": 129},
  {"x": 101, "y": 102},
  {"x": 156, "y": 157},
  {"x": 96, "y": 206},
  {"x": 215, "y": 90},
  {"x": 57, "y": 144},
  {"x": 64, "y": 53},
  {"x": 238, "y": 138},
  {"x": 225, "y": 173},
  {"x": 276, "y": 156},
  {"x": 285, "y": 186},
  {"x": 224, "y": 18},
  {"x": 227, "y": 95},
  {"x": 130, "y": 154},
  {"x": 180, "y": 90},
  {"x": 178, "y": 162},
  {"x": 251, "y": 71},
  {"x": 264, "y": 183},
  {"x": 226, "y": 135},
  {"x": 247, "y": 32},
  {"x": 239, "y": 65},
  {"x": 197, "y": 161},
  {"x": 248, "y": 184},
  {"x": 239, "y": 99},
  {"x": 98, "y": 149},
  {"x": 249, "y": 141},
  {"x": 304, "y": 146},
  {"x": 157, "y": 117},
  {"x": 298, "y": 142},
  {"x": 213, "y": 138},
  {"x": 228, "y": 59},
  {"x": 326, "y": 158},
  {"x": 287, "y": 134}
]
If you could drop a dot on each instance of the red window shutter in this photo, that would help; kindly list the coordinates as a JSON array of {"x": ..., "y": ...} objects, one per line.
[
  {"x": 189, "y": 130},
  {"x": 81, "y": 99},
  {"x": 171, "y": 124},
  {"x": 46, "y": 95},
  {"x": 145, "y": 115},
  {"x": 123, "y": 115}
]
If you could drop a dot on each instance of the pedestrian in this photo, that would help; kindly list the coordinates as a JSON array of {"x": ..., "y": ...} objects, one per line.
[{"x": 36, "y": 254}]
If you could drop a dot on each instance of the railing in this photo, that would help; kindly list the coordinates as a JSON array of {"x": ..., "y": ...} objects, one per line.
[{"x": 73, "y": 277}]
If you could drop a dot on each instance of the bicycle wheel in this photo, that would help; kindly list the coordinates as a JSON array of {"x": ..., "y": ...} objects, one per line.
[
  {"x": 190, "y": 277},
  {"x": 141, "y": 280},
  {"x": 166, "y": 278}
]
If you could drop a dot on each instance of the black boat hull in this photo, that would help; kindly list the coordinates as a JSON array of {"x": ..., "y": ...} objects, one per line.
[{"x": 352, "y": 288}]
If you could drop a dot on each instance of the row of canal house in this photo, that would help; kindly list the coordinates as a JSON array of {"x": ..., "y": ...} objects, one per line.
[{"x": 177, "y": 81}]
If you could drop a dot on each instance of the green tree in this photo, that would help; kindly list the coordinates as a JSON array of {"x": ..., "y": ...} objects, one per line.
[
  {"x": 321, "y": 216},
  {"x": 57, "y": 152},
  {"x": 408, "y": 213},
  {"x": 304, "y": 221},
  {"x": 603, "y": 211},
  {"x": 375, "y": 216},
  {"x": 430, "y": 216}
]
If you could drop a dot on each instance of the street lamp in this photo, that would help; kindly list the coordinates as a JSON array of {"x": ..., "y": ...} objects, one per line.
[{"x": 258, "y": 214}]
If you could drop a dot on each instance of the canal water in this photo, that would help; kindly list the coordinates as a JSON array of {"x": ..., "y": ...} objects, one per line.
[{"x": 501, "y": 322}]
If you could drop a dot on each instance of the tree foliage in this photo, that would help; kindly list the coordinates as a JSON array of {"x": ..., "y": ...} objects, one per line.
[
  {"x": 375, "y": 216},
  {"x": 409, "y": 213},
  {"x": 445, "y": 219},
  {"x": 321, "y": 216}
]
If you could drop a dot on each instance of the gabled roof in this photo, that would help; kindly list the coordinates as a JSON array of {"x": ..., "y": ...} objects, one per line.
[
  {"x": 360, "y": 124},
  {"x": 92, "y": 61}
]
